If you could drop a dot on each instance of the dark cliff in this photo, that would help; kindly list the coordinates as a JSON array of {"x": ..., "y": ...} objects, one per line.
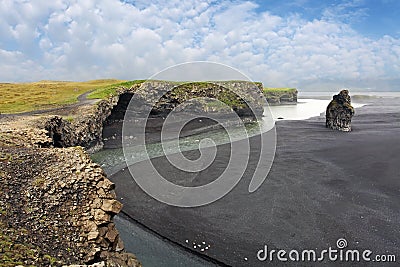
[
  {"x": 280, "y": 96},
  {"x": 87, "y": 129}
]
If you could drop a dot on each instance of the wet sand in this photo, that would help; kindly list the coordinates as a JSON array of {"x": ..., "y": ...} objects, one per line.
[{"x": 323, "y": 185}]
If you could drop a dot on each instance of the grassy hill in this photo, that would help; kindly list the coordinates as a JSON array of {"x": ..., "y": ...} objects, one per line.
[
  {"x": 22, "y": 97},
  {"x": 106, "y": 91}
]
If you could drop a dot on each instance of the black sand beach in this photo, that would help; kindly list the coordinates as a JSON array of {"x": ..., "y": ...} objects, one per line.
[{"x": 323, "y": 185}]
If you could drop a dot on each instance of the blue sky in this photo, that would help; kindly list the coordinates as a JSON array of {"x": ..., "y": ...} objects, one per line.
[
  {"x": 308, "y": 44},
  {"x": 373, "y": 18}
]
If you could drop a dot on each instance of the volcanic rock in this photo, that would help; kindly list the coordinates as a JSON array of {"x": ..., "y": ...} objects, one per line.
[{"x": 339, "y": 112}]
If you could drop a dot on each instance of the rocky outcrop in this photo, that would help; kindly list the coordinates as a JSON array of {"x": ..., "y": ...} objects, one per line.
[
  {"x": 87, "y": 129},
  {"x": 339, "y": 112},
  {"x": 57, "y": 206},
  {"x": 176, "y": 98},
  {"x": 232, "y": 93},
  {"x": 281, "y": 97}
]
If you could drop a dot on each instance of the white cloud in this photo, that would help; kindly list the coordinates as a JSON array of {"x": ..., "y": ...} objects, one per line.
[
  {"x": 81, "y": 40},
  {"x": 349, "y": 11}
]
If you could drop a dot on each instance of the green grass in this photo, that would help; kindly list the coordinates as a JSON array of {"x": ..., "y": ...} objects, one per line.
[
  {"x": 111, "y": 90},
  {"x": 13, "y": 252},
  {"x": 69, "y": 118},
  {"x": 22, "y": 97},
  {"x": 279, "y": 90}
]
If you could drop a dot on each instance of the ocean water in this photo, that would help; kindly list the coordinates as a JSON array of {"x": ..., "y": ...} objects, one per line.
[
  {"x": 354, "y": 94},
  {"x": 154, "y": 251},
  {"x": 305, "y": 109}
]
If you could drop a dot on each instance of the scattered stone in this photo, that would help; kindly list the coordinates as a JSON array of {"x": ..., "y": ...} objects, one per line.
[
  {"x": 120, "y": 245},
  {"x": 97, "y": 203},
  {"x": 106, "y": 185},
  {"x": 112, "y": 233},
  {"x": 119, "y": 259},
  {"x": 101, "y": 217},
  {"x": 93, "y": 235},
  {"x": 97, "y": 264},
  {"x": 111, "y": 205}
]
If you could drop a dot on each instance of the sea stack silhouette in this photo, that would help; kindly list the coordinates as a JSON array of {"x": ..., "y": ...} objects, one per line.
[{"x": 339, "y": 112}]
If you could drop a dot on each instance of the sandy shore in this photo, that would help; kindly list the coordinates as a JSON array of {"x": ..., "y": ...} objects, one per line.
[{"x": 323, "y": 185}]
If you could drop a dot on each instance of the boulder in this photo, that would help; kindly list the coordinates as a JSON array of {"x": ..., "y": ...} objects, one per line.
[
  {"x": 339, "y": 112},
  {"x": 111, "y": 205}
]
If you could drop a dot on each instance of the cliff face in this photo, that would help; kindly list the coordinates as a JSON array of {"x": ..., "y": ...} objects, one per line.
[
  {"x": 86, "y": 130},
  {"x": 231, "y": 93},
  {"x": 56, "y": 205},
  {"x": 281, "y": 97}
]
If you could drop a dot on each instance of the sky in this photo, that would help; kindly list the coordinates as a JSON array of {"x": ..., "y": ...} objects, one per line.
[{"x": 308, "y": 44}]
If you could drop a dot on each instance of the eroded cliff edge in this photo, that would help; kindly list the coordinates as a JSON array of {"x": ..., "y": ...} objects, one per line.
[
  {"x": 57, "y": 206},
  {"x": 86, "y": 128},
  {"x": 281, "y": 96}
]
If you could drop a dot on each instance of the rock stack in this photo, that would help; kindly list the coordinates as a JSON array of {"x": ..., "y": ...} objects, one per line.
[{"x": 339, "y": 112}]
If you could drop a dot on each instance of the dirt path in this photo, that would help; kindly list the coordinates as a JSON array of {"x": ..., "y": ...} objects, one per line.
[{"x": 61, "y": 110}]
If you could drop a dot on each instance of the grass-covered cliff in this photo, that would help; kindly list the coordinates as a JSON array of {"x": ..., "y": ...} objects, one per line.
[
  {"x": 280, "y": 96},
  {"x": 25, "y": 97}
]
